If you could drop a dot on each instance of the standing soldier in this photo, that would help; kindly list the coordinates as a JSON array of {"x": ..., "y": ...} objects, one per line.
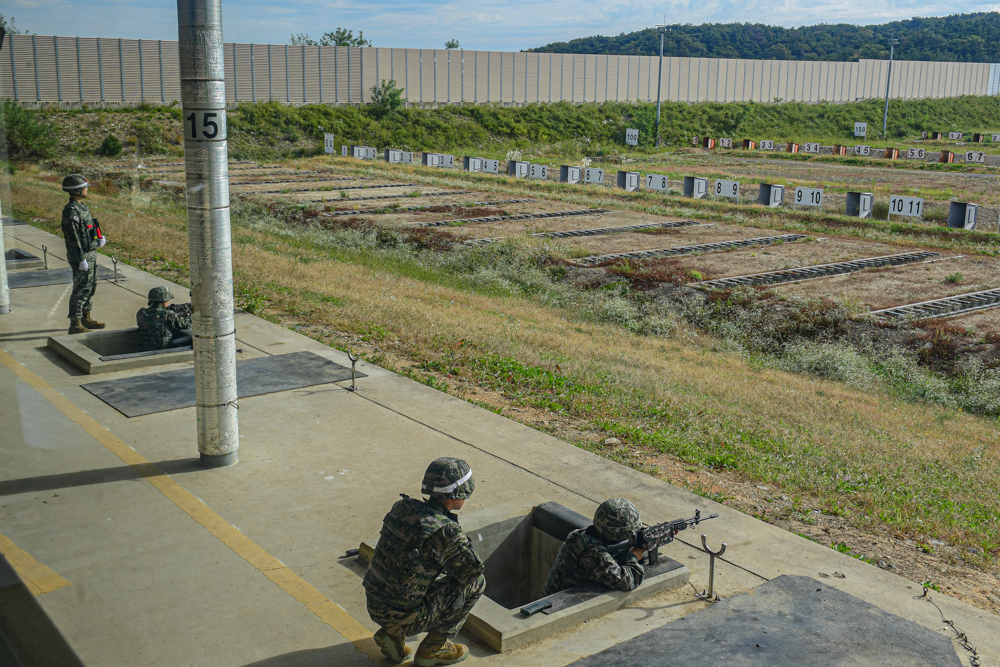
[
  {"x": 83, "y": 238},
  {"x": 584, "y": 558},
  {"x": 425, "y": 576}
]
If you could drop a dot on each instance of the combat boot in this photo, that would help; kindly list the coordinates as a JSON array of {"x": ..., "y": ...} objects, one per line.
[
  {"x": 437, "y": 650},
  {"x": 394, "y": 648},
  {"x": 90, "y": 322},
  {"x": 76, "y": 327}
]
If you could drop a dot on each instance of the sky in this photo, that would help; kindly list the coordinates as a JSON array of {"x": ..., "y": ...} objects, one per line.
[{"x": 499, "y": 25}]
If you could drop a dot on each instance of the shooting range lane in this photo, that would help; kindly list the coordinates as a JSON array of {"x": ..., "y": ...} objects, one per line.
[
  {"x": 172, "y": 390},
  {"x": 788, "y": 621}
]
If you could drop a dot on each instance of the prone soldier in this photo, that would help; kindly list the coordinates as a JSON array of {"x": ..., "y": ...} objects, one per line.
[
  {"x": 83, "y": 237},
  {"x": 425, "y": 575},
  {"x": 160, "y": 324}
]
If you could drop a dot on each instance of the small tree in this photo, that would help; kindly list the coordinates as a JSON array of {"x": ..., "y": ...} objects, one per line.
[
  {"x": 9, "y": 27},
  {"x": 386, "y": 98},
  {"x": 451, "y": 44},
  {"x": 338, "y": 37},
  {"x": 302, "y": 39},
  {"x": 111, "y": 146}
]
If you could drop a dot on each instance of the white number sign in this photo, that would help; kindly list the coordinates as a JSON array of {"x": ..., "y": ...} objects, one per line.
[
  {"x": 955, "y": 136},
  {"x": 728, "y": 143},
  {"x": 864, "y": 151},
  {"x": 538, "y": 171},
  {"x": 908, "y": 206},
  {"x": 766, "y": 145},
  {"x": 328, "y": 142},
  {"x": 861, "y": 129},
  {"x": 632, "y": 137},
  {"x": 727, "y": 189},
  {"x": 809, "y": 196},
  {"x": 975, "y": 156},
  {"x": 205, "y": 125},
  {"x": 656, "y": 182},
  {"x": 996, "y": 138},
  {"x": 810, "y": 148},
  {"x": 593, "y": 175},
  {"x": 916, "y": 153},
  {"x": 491, "y": 166}
]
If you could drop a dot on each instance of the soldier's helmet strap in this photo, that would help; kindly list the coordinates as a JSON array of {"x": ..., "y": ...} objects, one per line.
[{"x": 452, "y": 487}]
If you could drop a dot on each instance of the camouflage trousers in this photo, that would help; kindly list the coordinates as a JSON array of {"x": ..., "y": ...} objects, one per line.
[
  {"x": 445, "y": 608},
  {"x": 84, "y": 286}
]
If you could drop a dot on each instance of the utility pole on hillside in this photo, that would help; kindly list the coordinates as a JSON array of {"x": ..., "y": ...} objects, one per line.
[
  {"x": 888, "y": 79},
  {"x": 659, "y": 81},
  {"x": 206, "y": 160}
]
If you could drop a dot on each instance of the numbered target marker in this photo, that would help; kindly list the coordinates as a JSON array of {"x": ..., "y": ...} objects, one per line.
[
  {"x": 728, "y": 142},
  {"x": 657, "y": 182},
  {"x": 632, "y": 137},
  {"x": 861, "y": 129},
  {"x": 909, "y": 206},
  {"x": 766, "y": 145},
  {"x": 863, "y": 151},
  {"x": 539, "y": 172},
  {"x": 810, "y": 148},
  {"x": 954, "y": 136},
  {"x": 328, "y": 143},
  {"x": 978, "y": 157},
  {"x": 205, "y": 125},
  {"x": 995, "y": 138},
  {"x": 593, "y": 175},
  {"x": 730, "y": 189},
  {"x": 809, "y": 197},
  {"x": 916, "y": 153}
]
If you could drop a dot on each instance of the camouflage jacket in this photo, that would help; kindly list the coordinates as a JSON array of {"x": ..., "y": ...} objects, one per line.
[
  {"x": 78, "y": 231},
  {"x": 420, "y": 541},
  {"x": 583, "y": 559},
  {"x": 158, "y": 325}
]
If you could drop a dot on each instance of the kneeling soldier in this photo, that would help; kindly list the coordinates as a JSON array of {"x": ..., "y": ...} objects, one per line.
[
  {"x": 160, "y": 324},
  {"x": 83, "y": 237},
  {"x": 425, "y": 576},
  {"x": 584, "y": 559}
]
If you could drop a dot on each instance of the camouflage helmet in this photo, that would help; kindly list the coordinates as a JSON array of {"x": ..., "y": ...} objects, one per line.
[
  {"x": 448, "y": 478},
  {"x": 160, "y": 294},
  {"x": 75, "y": 182},
  {"x": 617, "y": 520}
]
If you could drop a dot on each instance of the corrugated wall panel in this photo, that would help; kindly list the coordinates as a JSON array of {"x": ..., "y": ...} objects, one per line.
[
  {"x": 7, "y": 72},
  {"x": 482, "y": 63},
  {"x": 455, "y": 75},
  {"x": 281, "y": 86},
  {"x": 111, "y": 69},
  {"x": 229, "y": 63},
  {"x": 508, "y": 76},
  {"x": 357, "y": 60},
  {"x": 602, "y": 88},
  {"x": 341, "y": 81},
  {"x": 312, "y": 74},
  {"x": 296, "y": 74},
  {"x": 150, "y": 69},
  {"x": 69, "y": 71},
  {"x": 24, "y": 65},
  {"x": 519, "y": 72},
  {"x": 133, "y": 80},
  {"x": 467, "y": 84},
  {"x": 397, "y": 71},
  {"x": 243, "y": 73},
  {"x": 439, "y": 85},
  {"x": 544, "y": 76},
  {"x": 46, "y": 48},
  {"x": 493, "y": 76},
  {"x": 644, "y": 73}
]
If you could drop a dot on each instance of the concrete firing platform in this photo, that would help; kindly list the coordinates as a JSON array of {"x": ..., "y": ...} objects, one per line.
[{"x": 172, "y": 564}]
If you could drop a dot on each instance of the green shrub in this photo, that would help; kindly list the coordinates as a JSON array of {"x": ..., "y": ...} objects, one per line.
[
  {"x": 27, "y": 139},
  {"x": 111, "y": 146}
]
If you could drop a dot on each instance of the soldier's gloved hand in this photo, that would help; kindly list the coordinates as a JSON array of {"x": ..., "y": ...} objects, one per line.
[
  {"x": 102, "y": 241},
  {"x": 84, "y": 265}
]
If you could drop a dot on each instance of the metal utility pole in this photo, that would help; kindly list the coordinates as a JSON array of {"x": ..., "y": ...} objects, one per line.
[
  {"x": 888, "y": 79},
  {"x": 206, "y": 166},
  {"x": 4, "y": 290},
  {"x": 659, "y": 83}
]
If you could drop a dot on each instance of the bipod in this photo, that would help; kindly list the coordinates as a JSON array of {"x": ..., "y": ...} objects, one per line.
[{"x": 710, "y": 595}]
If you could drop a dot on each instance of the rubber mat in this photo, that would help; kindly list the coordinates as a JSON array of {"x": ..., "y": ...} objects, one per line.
[
  {"x": 172, "y": 390},
  {"x": 786, "y": 621},
  {"x": 61, "y": 276}
]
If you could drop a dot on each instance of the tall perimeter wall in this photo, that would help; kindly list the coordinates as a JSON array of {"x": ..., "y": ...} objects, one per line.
[{"x": 49, "y": 70}]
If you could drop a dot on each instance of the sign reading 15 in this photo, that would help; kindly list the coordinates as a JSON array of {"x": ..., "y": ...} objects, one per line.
[{"x": 205, "y": 124}]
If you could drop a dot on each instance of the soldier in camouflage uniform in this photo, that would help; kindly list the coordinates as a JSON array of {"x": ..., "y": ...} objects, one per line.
[
  {"x": 83, "y": 238},
  {"x": 425, "y": 576},
  {"x": 160, "y": 325},
  {"x": 583, "y": 558}
]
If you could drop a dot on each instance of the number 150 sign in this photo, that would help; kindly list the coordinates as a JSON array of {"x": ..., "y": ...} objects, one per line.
[{"x": 205, "y": 125}]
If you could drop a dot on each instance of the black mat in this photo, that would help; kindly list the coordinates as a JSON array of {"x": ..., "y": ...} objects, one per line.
[
  {"x": 12, "y": 221},
  {"x": 787, "y": 621},
  {"x": 60, "y": 276},
  {"x": 172, "y": 390}
]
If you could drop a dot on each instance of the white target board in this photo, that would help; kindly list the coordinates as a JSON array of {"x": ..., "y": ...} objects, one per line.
[
  {"x": 909, "y": 206},
  {"x": 863, "y": 151},
  {"x": 810, "y": 148},
  {"x": 766, "y": 145},
  {"x": 978, "y": 157},
  {"x": 996, "y": 138},
  {"x": 632, "y": 137},
  {"x": 593, "y": 175},
  {"x": 725, "y": 143},
  {"x": 809, "y": 196},
  {"x": 328, "y": 143},
  {"x": 539, "y": 172},
  {"x": 491, "y": 166},
  {"x": 916, "y": 153},
  {"x": 472, "y": 164},
  {"x": 954, "y": 136},
  {"x": 657, "y": 182},
  {"x": 343, "y": 150},
  {"x": 861, "y": 129},
  {"x": 729, "y": 189}
]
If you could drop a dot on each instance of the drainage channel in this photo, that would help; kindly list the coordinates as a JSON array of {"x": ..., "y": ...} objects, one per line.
[
  {"x": 506, "y": 218},
  {"x": 951, "y": 306},
  {"x": 599, "y": 231},
  {"x": 418, "y": 209},
  {"x": 443, "y": 193},
  {"x": 594, "y": 260},
  {"x": 302, "y": 180},
  {"x": 818, "y": 271},
  {"x": 346, "y": 187}
]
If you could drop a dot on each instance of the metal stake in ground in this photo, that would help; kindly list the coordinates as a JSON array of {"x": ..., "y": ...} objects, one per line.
[
  {"x": 4, "y": 290},
  {"x": 206, "y": 166},
  {"x": 888, "y": 80},
  {"x": 710, "y": 593}
]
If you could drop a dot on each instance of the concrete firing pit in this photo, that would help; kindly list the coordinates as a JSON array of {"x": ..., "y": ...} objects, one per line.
[
  {"x": 18, "y": 260},
  {"x": 518, "y": 542},
  {"x": 116, "y": 350}
]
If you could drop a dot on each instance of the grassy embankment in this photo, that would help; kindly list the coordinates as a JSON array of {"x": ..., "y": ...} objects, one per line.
[{"x": 494, "y": 326}]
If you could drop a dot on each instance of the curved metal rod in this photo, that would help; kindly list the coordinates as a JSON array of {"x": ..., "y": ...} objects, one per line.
[
  {"x": 712, "y": 555},
  {"x": 354, "y": 361}
]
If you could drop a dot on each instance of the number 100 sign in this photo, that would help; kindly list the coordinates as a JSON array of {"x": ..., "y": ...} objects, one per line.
[
  {"x": 909, "y": 206},
  {"x": 205, "y": 124}
]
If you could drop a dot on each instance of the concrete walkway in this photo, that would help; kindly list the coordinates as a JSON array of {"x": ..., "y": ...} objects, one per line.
[{"x": 171, "y": 564}]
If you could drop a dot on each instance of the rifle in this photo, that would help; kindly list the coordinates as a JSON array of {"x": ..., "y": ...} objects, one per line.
[
  {"x": 181, "y": 308},
  {"x": 651, "y": 538}
]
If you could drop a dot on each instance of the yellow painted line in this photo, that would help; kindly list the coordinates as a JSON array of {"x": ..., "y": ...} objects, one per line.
[
  {"x": 37, "y": 577},
  {"x": 328, "y": 611}
]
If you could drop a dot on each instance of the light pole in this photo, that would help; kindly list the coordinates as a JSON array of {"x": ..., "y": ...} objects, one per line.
[
  {"x": 659, "y": 82},
  {"x": 888, "y": 79}
]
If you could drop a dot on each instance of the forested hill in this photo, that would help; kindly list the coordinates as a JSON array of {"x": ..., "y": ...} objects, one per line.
[{"x": 960, "y": 37}]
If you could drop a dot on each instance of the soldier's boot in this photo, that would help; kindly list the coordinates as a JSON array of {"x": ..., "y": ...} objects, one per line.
[
  {"x": 394, "y": 648},
  {"x": 90, "y": 322},
  {"x": 437, "y": 650},
  {"x": 75, "y": 326}
]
